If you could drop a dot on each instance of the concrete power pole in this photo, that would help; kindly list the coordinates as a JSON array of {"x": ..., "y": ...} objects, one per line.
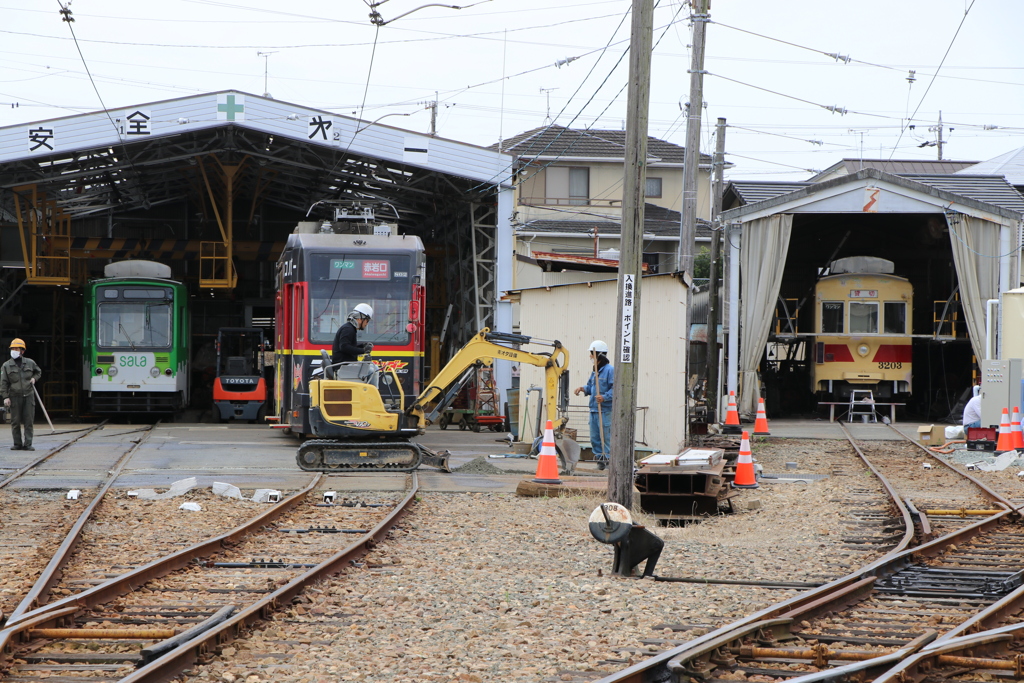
[
  {"x": 627, "y": 338},
  {"x": 716, "y": 240},
  {"x": 691, "y": 158}
]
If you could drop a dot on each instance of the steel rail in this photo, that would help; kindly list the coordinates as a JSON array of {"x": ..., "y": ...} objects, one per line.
[
  {"x": 53, "y": 571},
  {"x": 208, "y": 643},
  {"x": 989, "y": 493},
  {"x": 45, "y": 456},
  {"x": 55, "y": 614},
  {"x": 845, "y": 590},
  {"x": 944, "y": 653}
]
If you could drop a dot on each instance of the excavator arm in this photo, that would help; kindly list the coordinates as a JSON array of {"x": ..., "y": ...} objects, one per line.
[{"x": 481, "y": 350}]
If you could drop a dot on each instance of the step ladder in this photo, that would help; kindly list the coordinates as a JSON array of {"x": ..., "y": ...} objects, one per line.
[{"x": 862, "y": 404}]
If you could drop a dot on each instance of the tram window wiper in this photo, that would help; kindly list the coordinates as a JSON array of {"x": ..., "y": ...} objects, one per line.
[{"x": 125, "y": 332}]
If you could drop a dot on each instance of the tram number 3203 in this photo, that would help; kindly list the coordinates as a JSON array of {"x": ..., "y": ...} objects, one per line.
[
  {"x": 890, "y": 366},
  {"x": 132, "y": 362}
]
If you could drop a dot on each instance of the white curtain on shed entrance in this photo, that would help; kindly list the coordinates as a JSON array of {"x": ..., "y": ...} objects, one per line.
[
  {"x": 976, "y": 256},
  {"x": 763, "y": 250}
]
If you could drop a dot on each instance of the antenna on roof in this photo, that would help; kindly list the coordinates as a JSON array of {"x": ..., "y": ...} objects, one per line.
[
  {"x": 547, "y": 93},
  {"x": 266, "y": 69}
]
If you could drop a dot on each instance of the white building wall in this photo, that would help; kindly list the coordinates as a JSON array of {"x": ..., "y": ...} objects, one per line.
[{"x": 579, "y": 313}]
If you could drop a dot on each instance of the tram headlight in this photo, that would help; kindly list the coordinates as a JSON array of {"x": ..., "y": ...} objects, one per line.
[
  {"x": 168, "y": 372},
  {"x": 154, "y": 371},
  {"x": 863, "y": 350},
  {"x": 99, "y": 371},
  {"x": 112, "y": 370}
]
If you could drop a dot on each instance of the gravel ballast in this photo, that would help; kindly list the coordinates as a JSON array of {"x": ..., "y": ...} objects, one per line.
[{"x": 481, "y": 587}]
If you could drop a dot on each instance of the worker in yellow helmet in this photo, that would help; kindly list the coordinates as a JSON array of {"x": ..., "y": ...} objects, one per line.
[{"x": 17, "y": 386}]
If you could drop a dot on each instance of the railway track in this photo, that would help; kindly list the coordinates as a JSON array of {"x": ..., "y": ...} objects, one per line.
[
  {"x": 156, "y": 620},
  {"x": 966, "y": 575}
]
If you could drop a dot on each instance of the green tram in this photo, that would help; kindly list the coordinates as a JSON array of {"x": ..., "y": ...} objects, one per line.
[{"x": 135, "y": 341}]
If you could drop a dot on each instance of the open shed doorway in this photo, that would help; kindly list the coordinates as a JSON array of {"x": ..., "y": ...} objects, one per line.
[{"x": 918, "y": 245}]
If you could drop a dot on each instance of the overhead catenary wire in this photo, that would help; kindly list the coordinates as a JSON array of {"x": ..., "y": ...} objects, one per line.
[
  {"x": 67, "y": 18},
  {"x": 932, "y": 81}
]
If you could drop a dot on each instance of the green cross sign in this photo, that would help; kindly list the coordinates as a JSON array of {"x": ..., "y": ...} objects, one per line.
[{"x": 231, "y": 108}]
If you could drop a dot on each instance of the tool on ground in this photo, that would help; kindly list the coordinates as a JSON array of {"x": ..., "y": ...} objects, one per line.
[
  {"x": 1005, "y": 442},
  {"x": 732, "y": 416},
  {"x": 358, "y": 424},
  {"x": 611, "y": 523},
  {"x": 39, "y": 398},
  {"x": 745, "y": 478},
  {"x": 547, "y": 461},
  {"x": 761, "y": 422}
]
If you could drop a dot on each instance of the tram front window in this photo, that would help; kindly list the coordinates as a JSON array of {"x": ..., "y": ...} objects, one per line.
[
  {"x": 338, "y": 282},
  {"x": 863, "y": 318},
  {"x": 134, "y": 325}
]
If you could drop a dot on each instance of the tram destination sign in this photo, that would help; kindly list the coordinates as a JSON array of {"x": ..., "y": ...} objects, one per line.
[
  {"x": 360, "y": 269},
  {"x": 863, "y": 293}
]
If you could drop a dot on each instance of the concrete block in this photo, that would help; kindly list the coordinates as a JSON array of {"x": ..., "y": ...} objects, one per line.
[
  {"x": 226, "y": 490},
  {"x": 746, "y": 503},
  {"x": 266, "y": 496}
]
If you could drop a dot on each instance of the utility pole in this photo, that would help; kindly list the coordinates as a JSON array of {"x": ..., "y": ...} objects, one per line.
[
  {"x": 940, "y": 135},
  {"x": 716, "y": 239},
  {"x": 691, "y": 158},
  {"x": 620, "y": 475},
  {"x": 432, "y": 106}
]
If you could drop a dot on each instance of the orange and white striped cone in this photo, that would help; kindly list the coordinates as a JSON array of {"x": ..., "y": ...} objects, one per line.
[
  {"x": 732, "y": 416},
  {"x": 745, "y": 478},
  {"x": 1005, "y": 442},
  {"x": 1016, "y": 436},
  {"x": 761, "y": 422},
  {"x": 547, "y": 461}
]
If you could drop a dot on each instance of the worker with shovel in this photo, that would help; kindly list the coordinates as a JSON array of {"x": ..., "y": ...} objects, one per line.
[
  {"x": 599, "y": 389},
  {"x": 18, "y": 377}
]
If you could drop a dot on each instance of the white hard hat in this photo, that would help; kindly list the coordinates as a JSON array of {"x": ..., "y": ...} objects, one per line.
[
  {"x": 364, "y": 310},
  {"x": 599, "y": 346}
]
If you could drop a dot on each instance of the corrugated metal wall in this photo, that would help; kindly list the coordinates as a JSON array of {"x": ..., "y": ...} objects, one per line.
[{"x": 578, "y": 314}]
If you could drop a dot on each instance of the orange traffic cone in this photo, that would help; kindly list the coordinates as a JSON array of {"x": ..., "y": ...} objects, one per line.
[
  {"x": 745, "y": 478},
  {"x": 761, "y": 422},
  {"x": 732, "y": 416},
  {"x": 1016, "y": 436},
  {"x": 547, "y": 461},
  {"x": 1005, "y": 442}
]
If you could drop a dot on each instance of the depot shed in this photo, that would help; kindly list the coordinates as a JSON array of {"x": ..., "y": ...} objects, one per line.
[
  {"x": 577, "y": 314},
  {"x": 957, "y": 238}
]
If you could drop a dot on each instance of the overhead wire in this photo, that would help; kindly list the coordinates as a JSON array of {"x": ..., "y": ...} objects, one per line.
[
  {"x": 932, "y": 81},
  {"x": 67, "y": 18}
]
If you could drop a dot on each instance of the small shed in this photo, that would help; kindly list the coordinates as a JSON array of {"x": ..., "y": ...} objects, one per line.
[{"x": 577, "y": 314}]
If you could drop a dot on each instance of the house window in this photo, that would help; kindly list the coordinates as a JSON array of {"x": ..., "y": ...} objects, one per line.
[
  {"x": 567, "y": 185},
  {"x": 652, "y": 188}
]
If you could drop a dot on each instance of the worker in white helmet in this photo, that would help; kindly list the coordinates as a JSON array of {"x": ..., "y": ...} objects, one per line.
[
  {"x": 600, "y": 389},
  {"x": 345, "y": 348}
]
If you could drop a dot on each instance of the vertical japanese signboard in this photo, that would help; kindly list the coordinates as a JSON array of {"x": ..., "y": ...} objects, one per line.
[{"x": 626, "y": 351}]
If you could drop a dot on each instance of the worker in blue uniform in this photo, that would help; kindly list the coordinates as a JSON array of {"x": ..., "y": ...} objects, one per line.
[{"x": 600, "y": 390}]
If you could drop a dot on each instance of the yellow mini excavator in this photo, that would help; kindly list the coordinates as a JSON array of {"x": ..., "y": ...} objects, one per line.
[{"x": 356, "y": 415}]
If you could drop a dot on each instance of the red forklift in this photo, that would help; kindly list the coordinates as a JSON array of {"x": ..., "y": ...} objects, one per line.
[{"x": 240, "y": 391}]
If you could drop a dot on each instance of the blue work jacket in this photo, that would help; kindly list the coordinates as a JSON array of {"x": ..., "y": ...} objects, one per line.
[{"x": 606, "y": 378}]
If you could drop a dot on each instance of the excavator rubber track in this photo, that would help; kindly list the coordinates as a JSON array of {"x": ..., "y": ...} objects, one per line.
[{"x": 327, "y": 455}]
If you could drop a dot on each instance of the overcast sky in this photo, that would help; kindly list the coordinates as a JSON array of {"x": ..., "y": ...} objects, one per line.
[{"x": 489, "y": 64}]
